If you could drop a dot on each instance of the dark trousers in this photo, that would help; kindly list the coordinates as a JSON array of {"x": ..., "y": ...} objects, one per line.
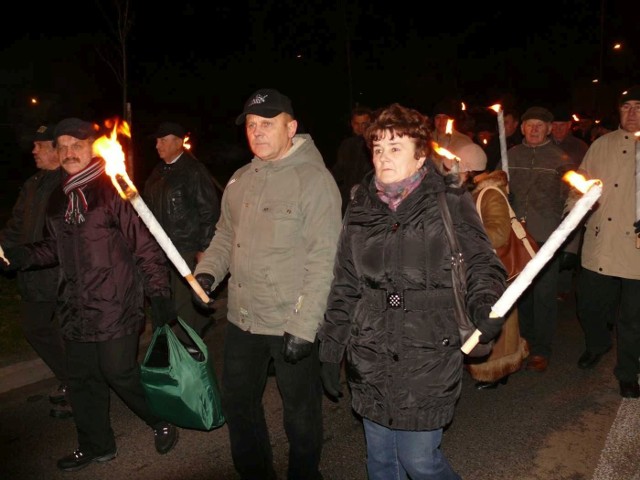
[
  {"x": 602, "y": 299},
  {"x": 246, "y": 360},
  {"x": 41, "y": 329},
  {"x": 183, "y": 302},
  {"x": 93, "y": 368},
  {"x": 538, "y": 310}
]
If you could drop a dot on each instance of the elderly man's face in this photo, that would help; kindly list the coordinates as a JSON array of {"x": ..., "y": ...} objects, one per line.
[
  {"x": 169, "y": 147},
  {"x": 45, "y": 155},
  {"x": 74, "y": 154},
  {"x": 535, "y": 131},
  {"x": 630, "y": 116},
  {"x": 270, "y": 138}
]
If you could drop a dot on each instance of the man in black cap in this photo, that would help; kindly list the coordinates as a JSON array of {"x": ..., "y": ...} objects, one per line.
[
  {"x": 108, "y": 260},
  {"x": 536, "y": 168},
  {"x": 576, "y": 148},
  {"x": 38, "y": 288},
  {"x": 182, "y": 195},
  {"x": 277, "y": 236},
  {"x": 608, "y": 287}
]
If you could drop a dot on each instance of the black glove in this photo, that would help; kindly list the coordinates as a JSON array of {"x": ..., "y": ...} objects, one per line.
[
  {"x": 637, "y": 227},
  {"x": 17, "y": 256},
  {"x": 568, "y": 261},
  {"x": 162, "y": 311},
  {"x": 330, "y": 376},
  {"x": 206, "y": 281},
  {"x": 489, "y": 326},
  {"x": 295, "y": 348}
]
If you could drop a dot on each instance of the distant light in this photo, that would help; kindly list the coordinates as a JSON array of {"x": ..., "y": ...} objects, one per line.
[
  {"x": 34, "y": 101},
  {"x": 299, "y": 56},
  {"x": 595, "y": 80},
  {"x": 463, "y": 107},
  {"x": 617, "y": 46}
]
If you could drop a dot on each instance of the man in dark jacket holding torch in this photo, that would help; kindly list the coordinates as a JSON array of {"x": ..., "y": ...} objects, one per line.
[{"x": 108, "y": 261}]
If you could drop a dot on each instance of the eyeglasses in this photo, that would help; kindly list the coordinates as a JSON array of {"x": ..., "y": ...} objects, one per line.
[{"x": 628, "y": 107}]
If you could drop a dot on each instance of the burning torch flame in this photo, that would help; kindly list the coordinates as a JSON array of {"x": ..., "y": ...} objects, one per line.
[
  {"x": 449, "y": 129},
  {"x": 111, "y": 151},
  {"x": 186, "y": 144},
  {"x": 444, "y": 152},
  {"x": 496, "y": 108},
  {"x": 578, "y": 182}
]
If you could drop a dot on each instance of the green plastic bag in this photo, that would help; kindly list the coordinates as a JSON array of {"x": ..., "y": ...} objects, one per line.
[{"x": 181, "y": 389}]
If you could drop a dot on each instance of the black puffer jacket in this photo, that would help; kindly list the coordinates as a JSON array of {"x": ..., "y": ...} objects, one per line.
[
  {"x": 27, "y": 225},
  {"x": 107, "y": 263},
  {"x": 183, "y": 198},
  {"x": 404, "y": 365}
]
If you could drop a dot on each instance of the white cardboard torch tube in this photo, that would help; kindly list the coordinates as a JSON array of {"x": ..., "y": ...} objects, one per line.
[
  {"x": 503, "y": 143},
  {"x": 638, "y": 185},
  {"x": 548, "y": 249},
  {"x": 165, "y": 242}
]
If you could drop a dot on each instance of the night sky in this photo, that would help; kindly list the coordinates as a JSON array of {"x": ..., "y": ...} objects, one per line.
[{"x": 196, "y": 62}]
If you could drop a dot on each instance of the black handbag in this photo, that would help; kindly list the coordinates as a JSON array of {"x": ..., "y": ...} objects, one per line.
[{"x": 459, "y": 283}]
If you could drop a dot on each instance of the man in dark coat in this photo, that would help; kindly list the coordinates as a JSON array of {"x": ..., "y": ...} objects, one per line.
[
  {"x": 108, "y": 261},
  {"x": 38, "y": 288},
  {"x": 182, "y": 195}
]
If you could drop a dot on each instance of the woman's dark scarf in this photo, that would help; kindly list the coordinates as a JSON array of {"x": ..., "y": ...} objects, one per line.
[
  {"x": 393, "y": 193},
  {"x": 73, "y": 186}
]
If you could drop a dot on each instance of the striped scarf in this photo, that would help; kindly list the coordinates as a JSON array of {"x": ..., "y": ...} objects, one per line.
[{"x": 73, "y": 186}]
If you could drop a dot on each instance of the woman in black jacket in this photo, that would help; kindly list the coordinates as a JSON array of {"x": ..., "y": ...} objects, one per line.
[{"x": 391, "y": 305}]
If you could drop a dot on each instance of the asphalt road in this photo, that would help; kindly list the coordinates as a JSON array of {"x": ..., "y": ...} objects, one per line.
[{"x": 565, "y": 424}]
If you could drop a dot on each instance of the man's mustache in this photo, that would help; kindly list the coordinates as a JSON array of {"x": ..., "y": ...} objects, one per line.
[{"x": 70, "y": 160}]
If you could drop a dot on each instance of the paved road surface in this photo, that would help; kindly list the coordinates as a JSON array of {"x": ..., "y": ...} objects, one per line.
[{"x": 565, "y": 424}]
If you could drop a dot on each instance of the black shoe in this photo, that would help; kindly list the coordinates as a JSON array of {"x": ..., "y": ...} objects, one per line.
[
  {"x": 61, "y": 411},
  {"x": 492, "y": 385},
  {"x": 166, "y": 437},
  {"x": 59, "y": 395},
  {"x": 590, "y": 360},
  {"x": 78, "y": 460},
  {"x": 629, "y": 389}
]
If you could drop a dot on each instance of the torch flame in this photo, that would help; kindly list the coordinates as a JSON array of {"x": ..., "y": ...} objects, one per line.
[
  {"x": 111, "y": 151},
  {"x": 578, "y": 181},
  {"x": 444, "y": 152},
  {"x": 186, "y": 144},
  {"x": 449, "y": 129},
  {"x": 496, "y": 108}
]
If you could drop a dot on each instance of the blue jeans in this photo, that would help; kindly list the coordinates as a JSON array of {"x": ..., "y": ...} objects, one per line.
[
  {"x": 244, "y": 376},
  {"x": 401, "y": 454}
]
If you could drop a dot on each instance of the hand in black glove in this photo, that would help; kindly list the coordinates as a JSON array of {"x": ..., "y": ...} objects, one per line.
[
  {"x": 568, "y": 261},
  {"x": 330, "y": 376},
  {"x": 489, "y": 326},
  {"x": 162, "y": 311},
  {"x": 295, "y": 348},
  {"x": 206, "y": 281},
  {"x": 636, "y": 226}
]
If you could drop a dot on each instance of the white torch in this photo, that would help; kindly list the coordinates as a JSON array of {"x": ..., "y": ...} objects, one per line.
[
  {"x": 503, "y": 138},
  {"x": 111, "y": 151},
  {"x": 592, "y": 189},
  {"x": 637, "y": 135}
]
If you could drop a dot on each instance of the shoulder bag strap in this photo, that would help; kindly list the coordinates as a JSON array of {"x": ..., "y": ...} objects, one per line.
[
  {"x": 458, "y": 267},
  {"x": 516, "y": 226}
]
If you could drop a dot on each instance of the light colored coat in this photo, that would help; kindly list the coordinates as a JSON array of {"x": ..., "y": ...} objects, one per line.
[
  {"x": 609, "y": 239},
  {"x": 277, "y": 236}
]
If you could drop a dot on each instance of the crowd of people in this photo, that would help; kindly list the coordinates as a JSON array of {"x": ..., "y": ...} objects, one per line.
[{"x": 330, "y": 272}]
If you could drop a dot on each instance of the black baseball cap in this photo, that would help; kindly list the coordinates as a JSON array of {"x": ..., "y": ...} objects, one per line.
[
  {"x": 76, "y": 128},
  {"x": 169, "y": 128},
  {"x": 44, "y": 133},
  {"x": 266, "y": 103}
]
